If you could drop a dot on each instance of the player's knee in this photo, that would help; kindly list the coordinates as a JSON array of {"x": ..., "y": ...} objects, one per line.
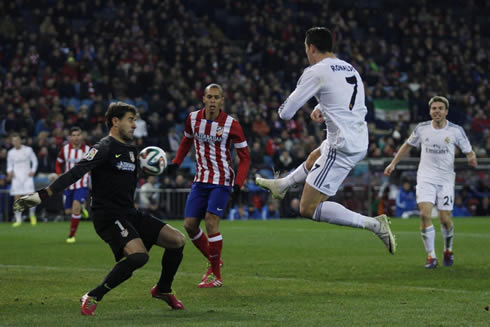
[
  {"x": 190, "y": 227},
  {"x": 179, "y": 240},
  {"x": 137, "y": 260}
]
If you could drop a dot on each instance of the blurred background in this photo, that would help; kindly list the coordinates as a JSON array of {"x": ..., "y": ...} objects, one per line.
[{"x": 63, "y": 62}]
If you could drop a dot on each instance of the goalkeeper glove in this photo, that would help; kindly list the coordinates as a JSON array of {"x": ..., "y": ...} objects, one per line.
[{"x": 30, "y": 200}]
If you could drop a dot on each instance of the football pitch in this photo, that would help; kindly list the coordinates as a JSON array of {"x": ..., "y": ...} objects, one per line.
[{"x": 276, "y": 273}]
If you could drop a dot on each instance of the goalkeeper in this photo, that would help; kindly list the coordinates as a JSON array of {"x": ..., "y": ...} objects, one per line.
[{"x": 129, "y": 233}]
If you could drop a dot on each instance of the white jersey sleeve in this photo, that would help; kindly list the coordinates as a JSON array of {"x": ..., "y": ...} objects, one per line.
[
  {"x": 461, "y": 139},
  {"x": 33, "y": 160},
  {"x": 414, "y": 139},
  {"x": 308, "y": 85},
  {"x": 10, "y": 162}
]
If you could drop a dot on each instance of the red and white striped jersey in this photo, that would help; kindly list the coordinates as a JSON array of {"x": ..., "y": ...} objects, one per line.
[
  {"x": 212, "y": 140},
  {"x": 70, "y": 156}
]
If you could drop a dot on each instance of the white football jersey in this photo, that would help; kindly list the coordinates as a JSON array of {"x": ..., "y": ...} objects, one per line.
[
  {"x": 21, "y": 162},
  {"x": 437, "y": 151},
  {"x": 339, "y": 90}
]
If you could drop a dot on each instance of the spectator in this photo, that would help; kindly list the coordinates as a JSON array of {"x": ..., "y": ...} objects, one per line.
[
  {"x": 292, "y": 210},
  {"x": 270, "y": 210},
  {"x": 260, "y": 126},
  {"x": 460, "y": 209},
  {"x": 406, "y": 205},
  {"x": 285, "y": 162},
  {"x": 238, "y": 212}
]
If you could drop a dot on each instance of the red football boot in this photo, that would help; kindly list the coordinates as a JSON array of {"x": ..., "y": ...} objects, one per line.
[{"x": 170, "y": 298}]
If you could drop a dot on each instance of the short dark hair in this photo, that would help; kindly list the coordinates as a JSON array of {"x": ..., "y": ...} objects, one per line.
[
  {"x": 214, "y": 86},
  {"x": 321, "y": 38},
  {"x": 75, "y": 129},
  {"x": 117, "y": 109}
]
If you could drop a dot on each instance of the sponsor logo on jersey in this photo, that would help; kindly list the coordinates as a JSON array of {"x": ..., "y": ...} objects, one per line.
[
  {"x": 126, "y": 166},
  {"x": 436, "y": 149},
  {"x": 208, "y": 138},
  {"x": 131, "y": 156},
  {"x": 91, "y": 154}
]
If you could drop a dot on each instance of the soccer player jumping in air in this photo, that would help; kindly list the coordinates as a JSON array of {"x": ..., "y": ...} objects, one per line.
[
  {"x": 113, "y": 163},
  {"x": 339, "y": 89},
  {"x": 212, "y": 131}
]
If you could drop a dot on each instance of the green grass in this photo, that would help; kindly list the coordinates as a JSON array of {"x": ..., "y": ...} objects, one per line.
[{"x": 276, "y": 273}]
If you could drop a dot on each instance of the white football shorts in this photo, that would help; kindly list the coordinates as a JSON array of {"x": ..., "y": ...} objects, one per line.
[
  {"x": 22, "y": 186},
  {"x": 440, "y": 195},
  {"x": 331, "y": 169}
]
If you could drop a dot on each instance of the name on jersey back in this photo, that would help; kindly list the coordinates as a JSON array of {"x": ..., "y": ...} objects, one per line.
[{"x": 342, "y": 68}]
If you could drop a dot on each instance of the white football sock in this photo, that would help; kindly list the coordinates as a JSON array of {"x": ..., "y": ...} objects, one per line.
[
  {"x": 334, "y": 213},
  {"x": 298, "y": 176},
  {"x": 448, "y": 235},
  {"x": 18, "y": 216},
  {"x": 429, "y": 236},
  {"x": 32, "y": 211}
]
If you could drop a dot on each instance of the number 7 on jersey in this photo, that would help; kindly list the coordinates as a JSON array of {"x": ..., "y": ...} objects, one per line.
[{"x": 352, "y": 80}]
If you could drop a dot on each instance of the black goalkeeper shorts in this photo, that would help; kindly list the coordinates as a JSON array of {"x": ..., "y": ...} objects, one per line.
[{"x": 117, "y": 230}]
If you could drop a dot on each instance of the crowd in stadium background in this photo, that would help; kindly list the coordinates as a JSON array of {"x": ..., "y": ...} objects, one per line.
[{"x": 61, "y": 63}]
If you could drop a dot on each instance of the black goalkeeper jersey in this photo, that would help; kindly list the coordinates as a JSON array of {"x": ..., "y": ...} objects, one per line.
[{"x": 114, "y": 167}]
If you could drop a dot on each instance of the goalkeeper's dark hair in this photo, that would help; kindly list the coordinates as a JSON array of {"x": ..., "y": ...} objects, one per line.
[
  {"x": 321, "y": 38},
  {"x": 118, "y": 109}
]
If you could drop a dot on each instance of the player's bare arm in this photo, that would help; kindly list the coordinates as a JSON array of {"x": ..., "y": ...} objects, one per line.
[{"x": 404, "y": 149}]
